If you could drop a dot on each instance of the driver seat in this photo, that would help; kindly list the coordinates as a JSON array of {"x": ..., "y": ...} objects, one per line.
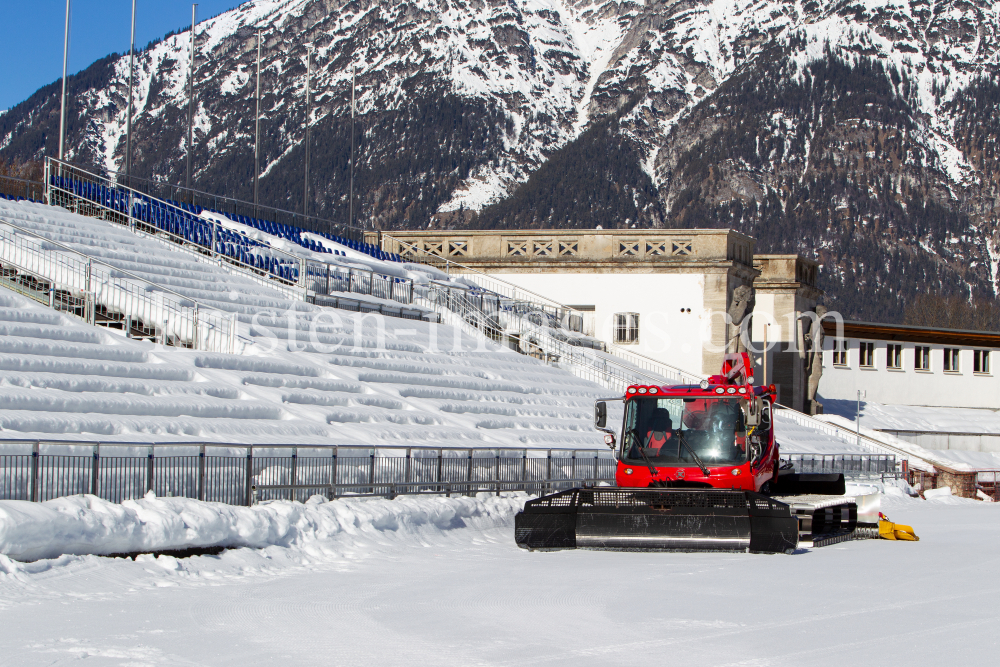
[{"x": 660, "y": 430}]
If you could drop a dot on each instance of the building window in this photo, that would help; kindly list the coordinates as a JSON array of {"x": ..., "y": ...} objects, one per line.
[
  {"x": 866, "y": 355},
  {"x": 839, "y": 352},
  {"x": 950, "y": 360},
  {"x": 626, "y": 328},
  {"x": 894, "y": 356},
  {"x": 981, "y": 361},
  {"x": 922, "y": 358}
]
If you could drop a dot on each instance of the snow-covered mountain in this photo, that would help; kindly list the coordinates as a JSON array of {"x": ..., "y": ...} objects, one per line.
[{"x": 860, "y": 132}]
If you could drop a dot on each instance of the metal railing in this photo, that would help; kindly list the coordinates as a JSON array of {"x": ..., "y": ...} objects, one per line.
[
  {"x": 528, "y": 301},
  {"x": 362, "y": 306},
  {"x": 322, "y": 278},
  {"x": 239, "y": 474},
  {"x": 12, "y": 186},
  {"x": 71, "y": 282},
  {"x": 854, "y": 466},
  {"x": 866, "y": 442},
  {"x": 531, "y": 337},
  {"x": 221, "y": 203},
  {"x": 90, "y": 194}
]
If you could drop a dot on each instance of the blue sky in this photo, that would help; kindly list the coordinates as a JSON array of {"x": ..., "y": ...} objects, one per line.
[{"x": 31, "y": 47}]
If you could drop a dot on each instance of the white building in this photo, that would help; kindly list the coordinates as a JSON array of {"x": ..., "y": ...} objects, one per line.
[
  {"x": 661, "y": 293},
  {"x": 908, "y": 365}
]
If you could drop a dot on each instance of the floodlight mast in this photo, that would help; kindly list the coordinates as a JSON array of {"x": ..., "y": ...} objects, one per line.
[
  {"x": 131, "y": 79},
  {"x": 191, "y": 101},
  {"x": 62, "y": 112},
  {"x": 305, "y": 189},
  {"x": 256, "y": 134}
]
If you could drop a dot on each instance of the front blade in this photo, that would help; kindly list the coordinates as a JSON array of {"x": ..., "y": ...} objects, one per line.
[{"x": 657, "y": 520}]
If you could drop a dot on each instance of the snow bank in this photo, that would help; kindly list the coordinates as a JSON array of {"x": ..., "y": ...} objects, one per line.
[{"x": 85, "y": 524}]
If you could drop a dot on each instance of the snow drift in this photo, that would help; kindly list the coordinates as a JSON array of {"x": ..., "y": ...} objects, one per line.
[{"x": 85, "y": 524}]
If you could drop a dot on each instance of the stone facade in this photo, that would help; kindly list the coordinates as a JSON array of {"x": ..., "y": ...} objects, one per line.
[
  {"x": 786, "y": 288},
  {"x": 600, "y": 251}
]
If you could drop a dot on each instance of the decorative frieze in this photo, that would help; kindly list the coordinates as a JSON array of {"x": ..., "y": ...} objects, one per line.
[{"x": 600, "y": 248}]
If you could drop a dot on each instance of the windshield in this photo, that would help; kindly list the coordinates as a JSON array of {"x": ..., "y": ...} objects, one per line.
[{"x": 672, "y": 430}]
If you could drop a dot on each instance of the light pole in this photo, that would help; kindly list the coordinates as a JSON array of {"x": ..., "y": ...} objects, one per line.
[
  {"x": 861, "y": 394},
  {"x": 62, "y": 112},
  {"x": 350, "y": 219},
  {"x": 305, "y": 189},
  {"x": 256, "y": 133},
  {"x": 128, "y": 126},
  {"x": 190, "y": 100}
]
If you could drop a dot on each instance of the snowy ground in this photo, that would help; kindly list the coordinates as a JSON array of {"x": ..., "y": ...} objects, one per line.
[
  {"x": 917, "y": 418},
  {"x": 440, "y": 582}
]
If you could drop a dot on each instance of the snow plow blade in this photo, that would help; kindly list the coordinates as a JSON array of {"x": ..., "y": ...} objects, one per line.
[
  {"x": 656, "y": 519},
  {"x": 797, "y": 484}
]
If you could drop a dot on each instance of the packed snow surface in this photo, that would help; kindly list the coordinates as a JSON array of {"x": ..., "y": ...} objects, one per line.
[{"x": 435, "y": 581}]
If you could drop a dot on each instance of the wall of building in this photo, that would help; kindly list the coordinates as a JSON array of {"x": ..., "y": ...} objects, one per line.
[
  {"x": 785, "y": 290},
  {"x": 653, "y": 272},
  {"x": 667, "y": 331},
  {"x": 907, "y": 386}
]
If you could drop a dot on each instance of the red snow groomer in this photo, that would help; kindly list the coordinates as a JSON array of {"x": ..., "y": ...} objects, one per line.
[{"x": 697, "y": 466}]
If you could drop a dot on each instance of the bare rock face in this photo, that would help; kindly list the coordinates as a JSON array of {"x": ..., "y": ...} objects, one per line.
[{"x": 865, "y": 137}]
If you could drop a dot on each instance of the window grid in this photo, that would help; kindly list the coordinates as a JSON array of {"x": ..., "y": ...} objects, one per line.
[
  {"x": 839, "y": 352},
  {"x": 866, "y": 354},
  {"x": 951, "y": 360},
  {"x": 626, "y": 328},
  {"x": 922, "y": 358},
  {"x": 981, "y": 362},
  {"x": 894, "y": 356}
]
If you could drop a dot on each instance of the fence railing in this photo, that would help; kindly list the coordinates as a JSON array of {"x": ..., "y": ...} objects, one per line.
[
  {"x": 532, "y": 337},
  {"x": 95, "y": 196},
  {"x": 90, "y": 194},
  {"x": 68, "y": 281},
  {"x": 851, "y": 465},
  {"x": 864, "y": 442},
  {"x": 241, "y": 474},
  {"x": 323, "y": 278},
  {"x": 12, "y": 186}
]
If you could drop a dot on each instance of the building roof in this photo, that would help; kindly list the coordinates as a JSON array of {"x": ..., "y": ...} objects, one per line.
[{"x": 914, "y": 334}]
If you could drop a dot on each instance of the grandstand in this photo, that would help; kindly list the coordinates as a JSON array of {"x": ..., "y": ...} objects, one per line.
[{"x": 183, "y": 219}]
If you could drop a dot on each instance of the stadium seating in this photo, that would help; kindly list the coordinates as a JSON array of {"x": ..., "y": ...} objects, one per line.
[
  {"x": 295, "y": 235},
  {"x": 183, "y": 221}
]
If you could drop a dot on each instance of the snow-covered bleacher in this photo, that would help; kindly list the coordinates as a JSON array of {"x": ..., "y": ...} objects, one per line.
[{"x": 185, "y": 220}]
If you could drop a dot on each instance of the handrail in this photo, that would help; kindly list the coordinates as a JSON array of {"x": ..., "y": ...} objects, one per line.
[
  {"x": 53, "y": 164},
  {"x": 871, "y": 443},
  {"x": 21, "y": 180},
  {"x": 95, "y": 260},
  {"x": 29, "y": 185},
  {"x": 616, "y": 377},
  {"x": 72, "y": 282},
  {"x": 285, "y": 445},
  {"x": 618, "y": 351}
]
